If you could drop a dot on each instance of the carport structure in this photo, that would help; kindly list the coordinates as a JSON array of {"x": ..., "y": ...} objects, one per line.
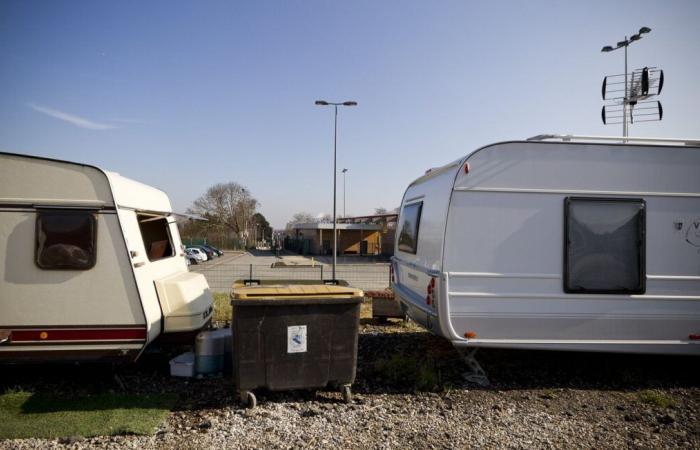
[{"x": 353, "y": 238}]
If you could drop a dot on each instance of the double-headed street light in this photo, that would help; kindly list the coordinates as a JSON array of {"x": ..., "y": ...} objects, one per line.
[
  {"x": 335, "y": 172},
  {"x": 625, "y": 44}
]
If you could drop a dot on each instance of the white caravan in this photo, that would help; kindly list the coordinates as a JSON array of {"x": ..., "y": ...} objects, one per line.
[
  {"x": 557, "y": 242},
  {"x": 91, "y": 265}
]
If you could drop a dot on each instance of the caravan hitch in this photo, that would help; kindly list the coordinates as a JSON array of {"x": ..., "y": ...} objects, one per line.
[{"x": 475, "y": 373}]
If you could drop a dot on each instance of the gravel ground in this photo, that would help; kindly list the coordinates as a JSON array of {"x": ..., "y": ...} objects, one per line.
[{"x": 409, "y": 393}]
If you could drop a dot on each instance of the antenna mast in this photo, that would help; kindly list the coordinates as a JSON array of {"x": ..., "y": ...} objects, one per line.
[{"x": 636, "y": 90}]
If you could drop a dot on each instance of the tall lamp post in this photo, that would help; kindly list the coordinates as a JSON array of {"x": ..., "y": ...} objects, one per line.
[
  {"x": 335, "y": 172},
  {"x": 344, "y": 172},
  {"x": 625, "y": 44}
]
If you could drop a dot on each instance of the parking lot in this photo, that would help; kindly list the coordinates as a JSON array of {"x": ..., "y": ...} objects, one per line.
[{"x": 221, "y": 272}]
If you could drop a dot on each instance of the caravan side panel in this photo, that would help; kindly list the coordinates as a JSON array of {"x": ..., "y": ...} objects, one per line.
[
  {"x": 505, "y": 243},
  {"x": 177, "y": 303},
  {"x": 175, "y": 300},
  {"x": 63, "y": 314}
]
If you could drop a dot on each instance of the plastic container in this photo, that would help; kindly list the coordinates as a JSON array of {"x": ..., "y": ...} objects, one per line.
[
  {"x": 294, "y": 336},
  {"x": 209, "y": 352},
  {"x": 225, "y": 335},
  {"x": 182, "y": 365}
]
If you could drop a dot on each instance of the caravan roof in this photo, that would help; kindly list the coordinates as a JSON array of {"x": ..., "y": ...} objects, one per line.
[
  {"x": 34, "y": 180},
  {"x": 613, "y": 140},
  {"x": 131, "y": 194}
]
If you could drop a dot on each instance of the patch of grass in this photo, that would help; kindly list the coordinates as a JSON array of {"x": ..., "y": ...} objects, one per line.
[
  {"x": 656, "y": 398},
  {"x": 409, "y": 372},
  {"x": 222, "y": 307},
  {"x": 411, "y": 325},
  {"x": 35, "y": 415},
  {"x": 548, "y": 394},
  {"x": 366, "y": 309}
]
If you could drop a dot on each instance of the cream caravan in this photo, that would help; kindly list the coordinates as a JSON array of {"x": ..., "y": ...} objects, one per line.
[
  {"x": 91, "y": 266},
  {"x": 558, "y": 242}
]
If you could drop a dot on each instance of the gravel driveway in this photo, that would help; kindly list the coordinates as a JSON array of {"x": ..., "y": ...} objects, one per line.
[{"x": 409, "y": 393}]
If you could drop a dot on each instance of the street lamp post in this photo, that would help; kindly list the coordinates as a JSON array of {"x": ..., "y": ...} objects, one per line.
[
  {"x": 344, "y": 172},
  {"x": 625, "y": 44},
  {"x": 335, "y": 173}
]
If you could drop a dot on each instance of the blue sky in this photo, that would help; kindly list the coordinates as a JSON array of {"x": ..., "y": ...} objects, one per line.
[{"x": 182, "y": 95}]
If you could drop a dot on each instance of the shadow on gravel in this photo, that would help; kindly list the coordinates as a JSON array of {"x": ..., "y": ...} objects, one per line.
[
  {"x": 391, "y": 360},
  {"x": 149, "y": 376},
  {"x": 521, "y": 369},
  {"x": 420, "y": 361}
]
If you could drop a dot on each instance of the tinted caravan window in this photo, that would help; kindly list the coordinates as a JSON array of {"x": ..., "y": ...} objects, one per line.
[
  {"x": 155, "y": 231},
  {"x": 605, "y": 246},
  {"x": 65, "y": 240},
  {"x": 408, "y": 237}
]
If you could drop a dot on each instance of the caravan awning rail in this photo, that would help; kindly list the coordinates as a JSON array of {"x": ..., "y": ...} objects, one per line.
[{"x": 635, "y": 140}]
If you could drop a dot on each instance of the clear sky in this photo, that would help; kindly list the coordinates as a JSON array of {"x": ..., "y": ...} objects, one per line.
[{"x": 181, "y": 95}]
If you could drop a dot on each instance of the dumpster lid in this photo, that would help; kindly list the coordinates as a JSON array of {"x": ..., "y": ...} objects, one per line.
[{"x": 273, "y": 292}]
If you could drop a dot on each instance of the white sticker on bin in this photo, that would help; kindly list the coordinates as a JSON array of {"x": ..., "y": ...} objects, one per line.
[{"x": 296, "y": 339}]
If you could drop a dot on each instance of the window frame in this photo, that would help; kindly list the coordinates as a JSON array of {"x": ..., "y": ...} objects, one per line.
[
  {"x": 418, "y": 220},
  {"x": 40, "y": 213},
  {"x": 167, "y": 230},
  {"x": 641, "y": 288}
]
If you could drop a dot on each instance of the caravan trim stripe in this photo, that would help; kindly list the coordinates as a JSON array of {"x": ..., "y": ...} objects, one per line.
[{"x": 70, "y": 335}]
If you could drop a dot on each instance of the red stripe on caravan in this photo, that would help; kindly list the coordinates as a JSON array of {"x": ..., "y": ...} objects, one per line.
[{"x": 68, "y": 334}]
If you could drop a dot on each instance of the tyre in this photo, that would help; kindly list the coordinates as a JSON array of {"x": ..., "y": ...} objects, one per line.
[{"x": 248, "y": 399}]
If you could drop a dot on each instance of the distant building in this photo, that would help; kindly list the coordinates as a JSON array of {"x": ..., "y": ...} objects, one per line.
[{"x": 361, "y": 235}]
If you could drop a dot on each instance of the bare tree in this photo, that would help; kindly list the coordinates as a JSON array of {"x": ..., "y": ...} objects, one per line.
[
  {"x": 380, "y": 210},
  {"x": 301, "y": 217},
  {"x": 227, "y": 204}
]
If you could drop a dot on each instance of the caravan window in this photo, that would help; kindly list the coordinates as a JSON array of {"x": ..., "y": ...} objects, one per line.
[
  {"x": 408, "y": 237},
  {"x": 605, "y": 246},
  {"x": 155, "y": 231},
  {"x": 65, "y": 240}
]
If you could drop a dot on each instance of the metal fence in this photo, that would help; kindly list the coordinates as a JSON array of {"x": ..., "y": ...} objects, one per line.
[
  {"x": 221, "y": 276},
  {"x": 219, "y": 242}
]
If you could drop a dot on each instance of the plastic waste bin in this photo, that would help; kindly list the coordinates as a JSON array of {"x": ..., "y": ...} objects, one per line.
[{"x": 294, "y": 336}]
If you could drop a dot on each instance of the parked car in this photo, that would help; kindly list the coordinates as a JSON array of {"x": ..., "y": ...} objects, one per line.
[
  {"x": 196, "y": 253},
  {"x": 214, "y": 249},
  {"x": 209, "y": 252}
]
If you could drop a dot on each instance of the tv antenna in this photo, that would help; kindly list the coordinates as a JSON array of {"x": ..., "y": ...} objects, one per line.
[{"x": 629, "y": 94}]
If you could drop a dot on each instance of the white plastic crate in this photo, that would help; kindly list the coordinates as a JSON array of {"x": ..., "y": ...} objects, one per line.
[{"x": 182, "y": 365}]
